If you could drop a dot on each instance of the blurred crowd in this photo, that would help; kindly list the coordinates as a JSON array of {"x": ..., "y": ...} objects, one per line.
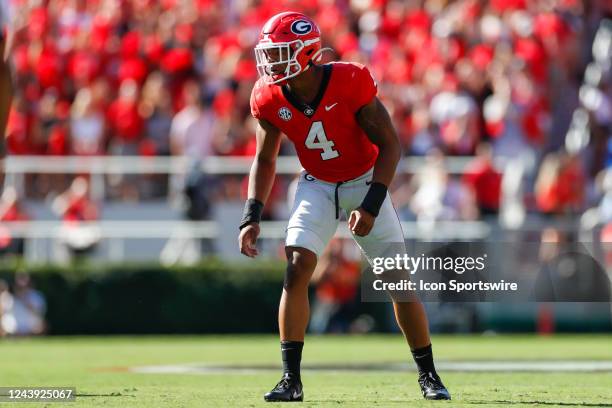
[
  {"x": 22, "y": 308},
  {"x": 498, "y": 80},
  {"x": 144, "y": 78}
]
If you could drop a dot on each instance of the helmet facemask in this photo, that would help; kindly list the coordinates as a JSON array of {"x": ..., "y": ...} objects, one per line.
[{"x": 270, "y": 56}]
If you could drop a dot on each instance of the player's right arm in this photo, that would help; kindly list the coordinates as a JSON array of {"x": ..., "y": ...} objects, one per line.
[
  {"x": 263, "y": 169},
  {"x": 261, "y": 179}
]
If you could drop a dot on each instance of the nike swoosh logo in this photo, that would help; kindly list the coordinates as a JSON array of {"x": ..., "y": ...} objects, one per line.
[
  {"x": 368, "y": 182},
  {"x": 328, "y": 108}
]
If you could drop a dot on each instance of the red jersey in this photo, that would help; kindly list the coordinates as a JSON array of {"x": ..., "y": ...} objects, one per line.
[{"x": 329, "y": 142}]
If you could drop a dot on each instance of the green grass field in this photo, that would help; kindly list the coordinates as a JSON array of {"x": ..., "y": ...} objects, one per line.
[{"x": 99, "y": 368}]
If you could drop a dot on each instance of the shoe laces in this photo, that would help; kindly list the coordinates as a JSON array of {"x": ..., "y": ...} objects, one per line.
[
  {"x": 431, "y": 380},
  {"x": 284, "y": 384}
]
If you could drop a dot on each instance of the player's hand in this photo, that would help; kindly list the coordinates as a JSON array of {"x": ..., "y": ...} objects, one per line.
[
  {"x": 361, "y": 222},
  {"x": 248, "y": 239}
]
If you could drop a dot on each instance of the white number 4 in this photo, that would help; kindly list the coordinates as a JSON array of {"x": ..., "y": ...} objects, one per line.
[{"x": 318, "y": 140}]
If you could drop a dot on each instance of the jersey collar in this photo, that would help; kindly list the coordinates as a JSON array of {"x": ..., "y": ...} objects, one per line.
[{"x": 309, "y": 109}]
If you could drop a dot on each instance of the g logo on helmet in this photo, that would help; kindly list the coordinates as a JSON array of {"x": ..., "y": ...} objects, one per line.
[{"x": 301, "y": 27}]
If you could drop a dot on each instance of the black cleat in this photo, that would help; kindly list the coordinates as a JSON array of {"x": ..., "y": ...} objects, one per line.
[
  {"x": 288, "y": 389},
  {"x": 432, "y": 387}
]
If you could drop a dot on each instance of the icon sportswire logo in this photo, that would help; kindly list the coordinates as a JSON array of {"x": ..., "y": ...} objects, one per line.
[{"x": 330, "y": 107}]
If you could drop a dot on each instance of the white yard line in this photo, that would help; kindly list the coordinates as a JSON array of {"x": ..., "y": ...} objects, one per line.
[{"x": 461, "y": 366}]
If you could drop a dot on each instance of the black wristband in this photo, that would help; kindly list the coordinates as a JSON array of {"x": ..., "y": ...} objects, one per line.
[
  {"x": 252, "y": 212},
  {"x": 374, "y": 198}
]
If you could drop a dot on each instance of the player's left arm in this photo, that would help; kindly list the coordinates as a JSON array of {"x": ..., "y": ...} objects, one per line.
[{"x": 375, "y": 121}]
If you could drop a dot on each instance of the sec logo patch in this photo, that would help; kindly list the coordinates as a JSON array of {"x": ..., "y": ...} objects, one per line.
[{"x": 285, "y": 114}]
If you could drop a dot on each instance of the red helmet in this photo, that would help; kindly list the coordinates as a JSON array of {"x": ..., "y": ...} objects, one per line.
[{"x": 288, "y": 42}]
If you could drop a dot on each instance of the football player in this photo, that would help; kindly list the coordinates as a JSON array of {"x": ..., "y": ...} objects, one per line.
[
  {"x": 349, "y": 150},
  {"x": 5, "y": 78}
]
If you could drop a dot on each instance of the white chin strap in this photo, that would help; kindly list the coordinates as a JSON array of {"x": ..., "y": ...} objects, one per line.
[{"x": 316, "y": 57}]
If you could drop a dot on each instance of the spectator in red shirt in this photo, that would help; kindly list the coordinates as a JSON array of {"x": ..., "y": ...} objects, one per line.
[
  {"x": 560, "y": 184},
  {"x": 484, "y": 180},
  {"x": 17, "y": 129},
  {"x": 126, "y": 126},
  {"x": 11, "y": 210},
  {"x": 337, "y": 283},
  {"x": 125, "y": 121},
  {"x": 75, "y": 207}
]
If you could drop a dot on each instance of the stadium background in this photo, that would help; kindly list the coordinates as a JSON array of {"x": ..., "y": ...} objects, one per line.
[{"x": 130, "y": 138}]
